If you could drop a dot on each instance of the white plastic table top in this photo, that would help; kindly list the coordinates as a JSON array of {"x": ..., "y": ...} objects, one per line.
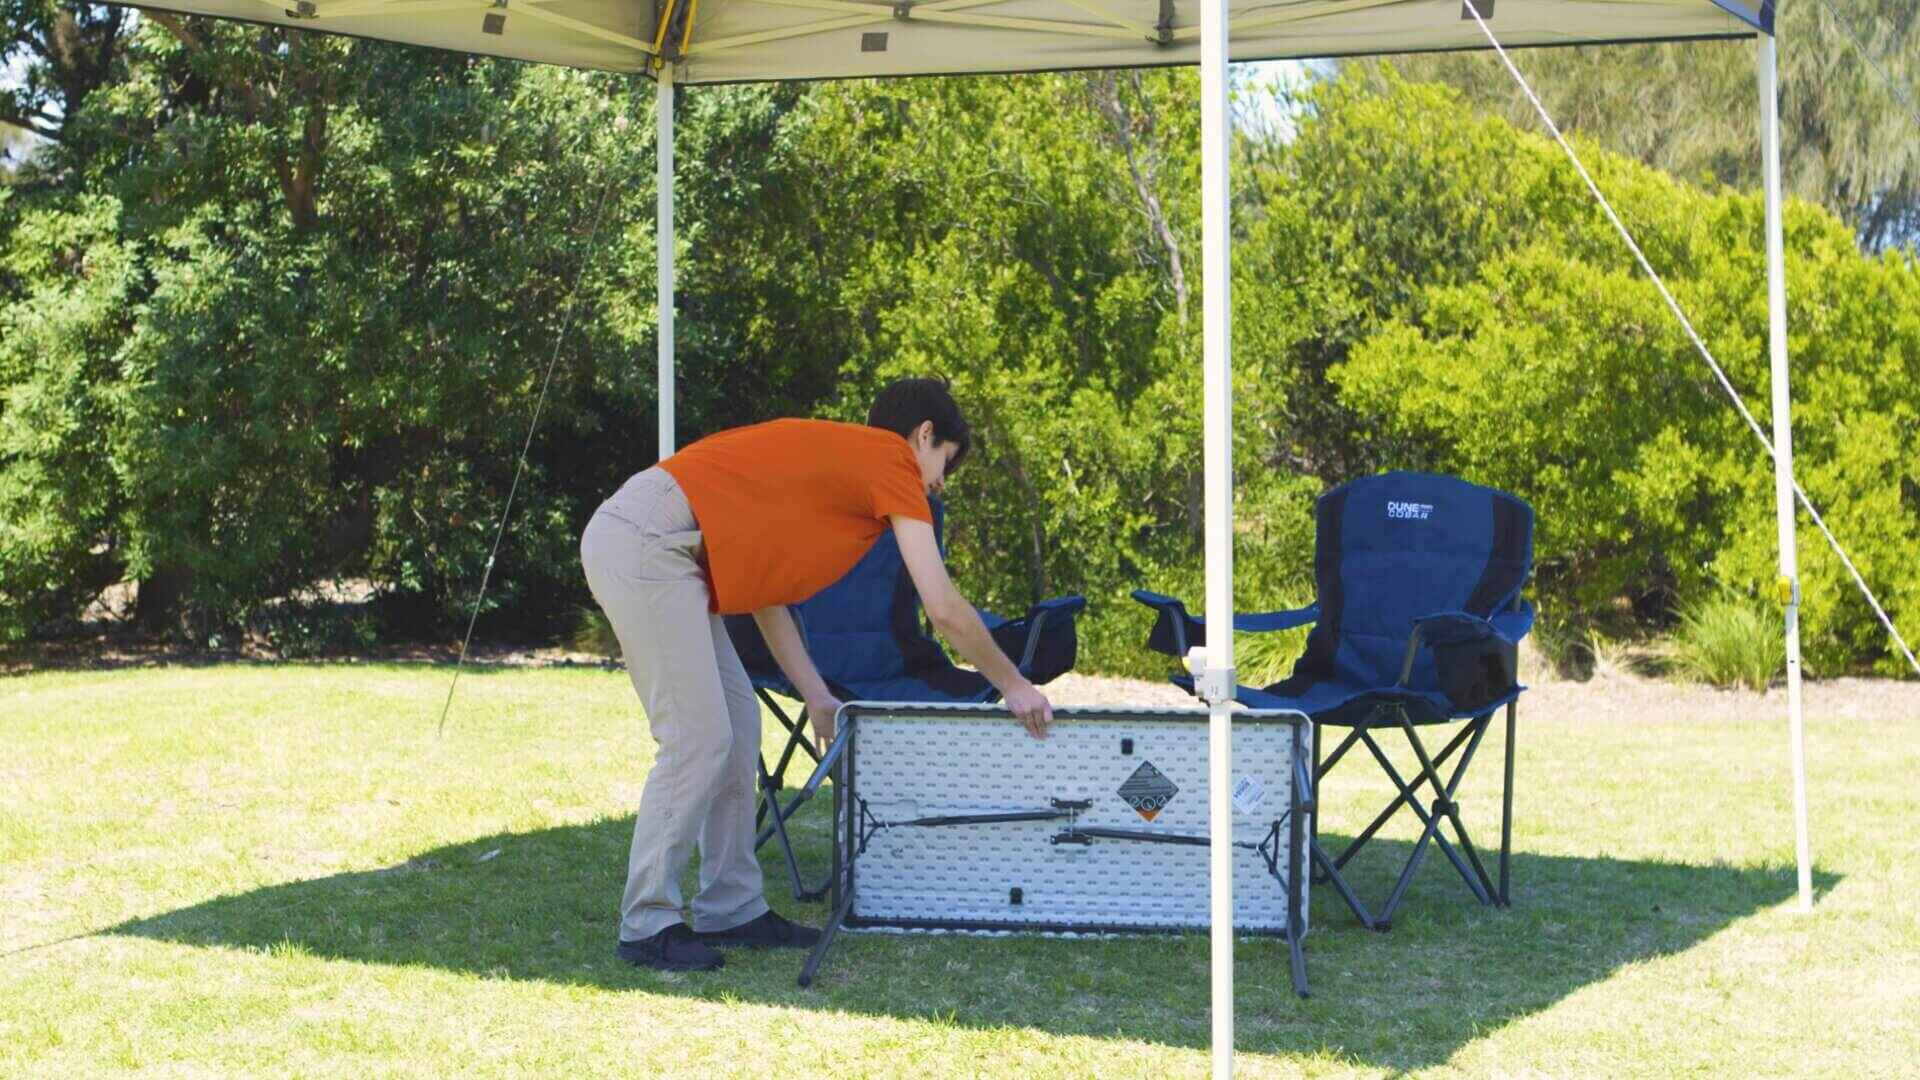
[{"x": 1138, "y": 770}]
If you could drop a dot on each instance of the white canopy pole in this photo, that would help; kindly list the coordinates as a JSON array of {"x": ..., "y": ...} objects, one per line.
[
  {"x": 663, "y": 234},
  {"x": 1783, "y": 448},
  {"x": 1215, "y": 677}
]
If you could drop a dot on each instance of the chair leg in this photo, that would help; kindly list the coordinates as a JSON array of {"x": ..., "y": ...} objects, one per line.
[
  {"x": 1445, "y": 804},
  {"x": 1481, "y": 883},
  {"x": 1331, "y": 873},
  {"x": 1431, "y": 831},
  {"x": 1506, "y": 814},
  {"x": 1460, "y": 827},
  {"x": 1460, "y": 851},
  {"x": 1320, "y": 770},
  {"x": 1339, "y": 752},
  {"x": 779, "y": 771},
  {"x": 779, "y": 828},
  {"x": 770, "y": 805},
  {"x": 1393, "y": 807},
  {"x": 1411, "y": 868},
  {"x": 796, "y": 733},
  {"x": 796, "y": 739}
]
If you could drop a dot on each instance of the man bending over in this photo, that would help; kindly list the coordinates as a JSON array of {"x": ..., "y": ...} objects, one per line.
[{"x": 752, "y": 520}]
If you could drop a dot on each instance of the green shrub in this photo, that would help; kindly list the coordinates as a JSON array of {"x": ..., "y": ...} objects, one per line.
[
  {"x": 1544, "y": 362},
  {"x": 1263, "y": 659},
  {"x": 593, "y": 633},
  {"x": 1730, "y": 639},
  {"x": 1565, "y": 643},
  {"x": 299, "y": 630}
]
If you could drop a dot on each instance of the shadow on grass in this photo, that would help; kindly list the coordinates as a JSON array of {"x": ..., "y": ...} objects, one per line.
[{"x": 539, "y": 906}]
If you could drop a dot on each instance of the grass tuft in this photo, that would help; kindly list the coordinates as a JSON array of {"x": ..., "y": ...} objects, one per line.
[
  {"x": 1567, "y": 643},
  {"x": 1264, "y": 659},
  {"x": 1730, "y": 640}
]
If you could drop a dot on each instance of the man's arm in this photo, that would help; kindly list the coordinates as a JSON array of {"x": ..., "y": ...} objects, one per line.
[
  {"x": 790, "y": 652},
  {"x": 960, "y": 624}
]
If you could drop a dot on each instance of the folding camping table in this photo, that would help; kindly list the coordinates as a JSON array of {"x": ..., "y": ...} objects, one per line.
[{"x": 952, "y": 818}]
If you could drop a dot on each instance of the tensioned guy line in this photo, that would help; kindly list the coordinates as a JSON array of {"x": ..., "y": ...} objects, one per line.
[
  {"x": 533, "y": 425},
  {"x": 1705, "y": 354}
]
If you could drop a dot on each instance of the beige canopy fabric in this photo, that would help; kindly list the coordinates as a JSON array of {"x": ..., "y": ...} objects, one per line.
[{"x": 718, "y": 41}]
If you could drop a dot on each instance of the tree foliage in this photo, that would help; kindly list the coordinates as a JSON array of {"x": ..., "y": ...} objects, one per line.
[
  {"x": 1850, "y": 132},
  {"x": 15, "y": 144},
  {"x": 56, "y": 55},
  {"x": 276, "y": 309},
  {"x": 1533, "y": 355},
  {"x": 286, "y": 330}
]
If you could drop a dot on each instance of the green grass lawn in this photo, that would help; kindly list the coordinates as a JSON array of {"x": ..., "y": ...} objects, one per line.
[{"x": 281, "y": 870}]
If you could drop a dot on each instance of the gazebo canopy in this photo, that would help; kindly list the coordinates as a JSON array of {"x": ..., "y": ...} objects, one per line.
[{"x": 719, "y": 41}]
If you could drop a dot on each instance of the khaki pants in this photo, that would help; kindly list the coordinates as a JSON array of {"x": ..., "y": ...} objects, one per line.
[{"x": 640, "y": 553}]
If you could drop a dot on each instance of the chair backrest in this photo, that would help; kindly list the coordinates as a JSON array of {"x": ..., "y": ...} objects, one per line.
[{"x": 1389, "y": 549}]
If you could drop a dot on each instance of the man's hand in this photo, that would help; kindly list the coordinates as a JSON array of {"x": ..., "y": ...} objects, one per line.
[
  {"x": 1031, "y": 708},
  {"x": 821, "y": 713},
  {"x": 790, "y": 652},
  {"x": 961, "y": 626}
]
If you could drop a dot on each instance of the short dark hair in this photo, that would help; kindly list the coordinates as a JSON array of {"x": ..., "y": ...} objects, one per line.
[{"x": 905, "y": 404}]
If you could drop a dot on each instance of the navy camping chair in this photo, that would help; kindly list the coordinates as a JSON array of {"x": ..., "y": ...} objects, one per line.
[
  {"x": 866, "y": 636},
  {"x": 1417, "y": 622}
]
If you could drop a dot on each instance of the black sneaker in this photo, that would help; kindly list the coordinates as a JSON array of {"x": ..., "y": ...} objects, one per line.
[
  {"x": 769, "y": 931},
  {"x": 674, "y": 949}
]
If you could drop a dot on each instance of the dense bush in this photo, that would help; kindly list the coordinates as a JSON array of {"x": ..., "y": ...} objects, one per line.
[
  {"x": 1025, "y": 264},
  {"x": 278, "y": 307}
]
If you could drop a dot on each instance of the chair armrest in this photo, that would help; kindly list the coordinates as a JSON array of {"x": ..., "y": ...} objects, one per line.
[
  {"x": 1266, "y": 622},
  {"x": 1448, "y": 627},
  {"x": 1037, "y": 616},
  {"x": 1516, "y": 623},
  {"x": 1075, "y": 603},
  {"x": 1460, "y": 627},
  {"x": 1176, "y": 630},
  {"x": 1042, "y": 643}
]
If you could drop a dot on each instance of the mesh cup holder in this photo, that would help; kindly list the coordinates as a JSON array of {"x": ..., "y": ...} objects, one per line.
[{"x": 1476, "y": 673}]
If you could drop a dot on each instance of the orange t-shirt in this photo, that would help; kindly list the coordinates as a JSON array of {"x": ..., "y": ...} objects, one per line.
[{"x": 787, "y": 507}]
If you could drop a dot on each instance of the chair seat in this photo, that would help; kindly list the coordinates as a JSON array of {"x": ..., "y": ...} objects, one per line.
[
  {"x": 956, "y": 685},
  {"x": 1337, "y": 704}
]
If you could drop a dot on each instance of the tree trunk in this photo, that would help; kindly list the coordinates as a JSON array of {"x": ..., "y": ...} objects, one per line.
[{"x": 1142, "y": 168}]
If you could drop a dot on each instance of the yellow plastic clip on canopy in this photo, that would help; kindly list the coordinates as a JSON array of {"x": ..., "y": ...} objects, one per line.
[{"x": 1783, "y": 588}]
